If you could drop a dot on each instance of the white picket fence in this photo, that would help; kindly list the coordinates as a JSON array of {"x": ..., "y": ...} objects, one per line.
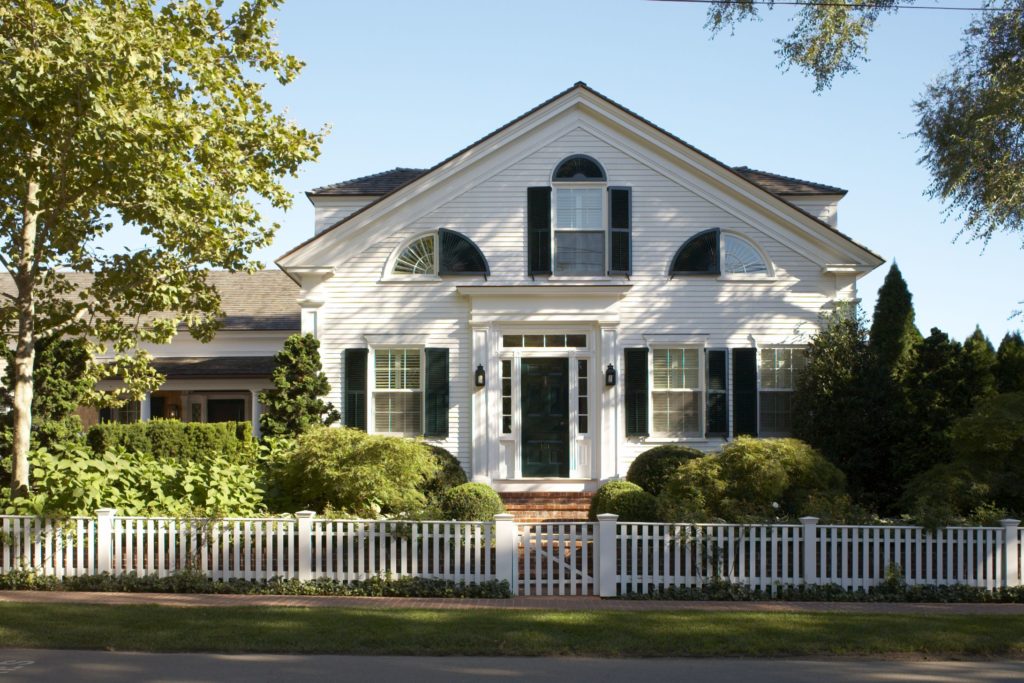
[{"x": 603, "y": 558}]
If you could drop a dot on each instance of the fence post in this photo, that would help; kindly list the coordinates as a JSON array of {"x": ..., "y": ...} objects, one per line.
[
  {"x": 607, "y": 570},
  {"x": 810, "y": 539},
  {"x": 506, "y": 551},
  {"x": 104, "y": 531},
  {"x": 1011, "y": 550},
  {"x": 305, "y": 544}
]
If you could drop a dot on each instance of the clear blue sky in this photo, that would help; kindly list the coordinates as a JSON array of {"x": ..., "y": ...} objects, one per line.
[{"x": 408, "y": 83}]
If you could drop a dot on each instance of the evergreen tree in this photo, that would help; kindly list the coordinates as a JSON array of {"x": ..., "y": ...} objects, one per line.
[
  {"x": 980, "y": 362},
  {"x": 893, "y": 333},
  {"x": 1010, "y": 364},
  {"x": 295, "y": 403}
]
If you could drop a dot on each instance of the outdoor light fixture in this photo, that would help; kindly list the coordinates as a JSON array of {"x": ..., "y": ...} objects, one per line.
[
  {"x": 609, "y": 376},
  {"x": 479, "y": 378}
]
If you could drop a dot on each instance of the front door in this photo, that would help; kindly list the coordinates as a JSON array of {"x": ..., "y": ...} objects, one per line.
[{"x": 545, "y": 417}]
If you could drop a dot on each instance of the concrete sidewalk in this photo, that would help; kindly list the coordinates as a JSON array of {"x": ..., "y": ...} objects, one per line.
[{"x": 555, "y": 603}]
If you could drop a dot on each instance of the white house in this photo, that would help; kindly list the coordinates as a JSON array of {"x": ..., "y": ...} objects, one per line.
[{"x": 569, "y": 291}]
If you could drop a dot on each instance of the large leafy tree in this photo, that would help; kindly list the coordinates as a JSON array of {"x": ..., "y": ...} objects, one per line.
[
  {"x": 970, "y": 118},
  {"x": 296, "y": 402},
  {"x": 145, "y": 116}
]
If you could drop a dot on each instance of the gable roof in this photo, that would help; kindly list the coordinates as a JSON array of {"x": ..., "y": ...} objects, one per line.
[
  {"x": 580, "y": 85},
  {"x": 262, "y": 301},
  {"x": 386, "y": 182}
]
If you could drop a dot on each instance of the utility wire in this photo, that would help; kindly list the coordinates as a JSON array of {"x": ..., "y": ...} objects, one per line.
[{"x": 850, "y": 5}]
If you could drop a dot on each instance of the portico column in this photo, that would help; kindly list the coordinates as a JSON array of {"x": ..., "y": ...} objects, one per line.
[
  {"x": 480, "y": 456},
  {"x": 146, "y": 407},
  {"x": 257, "y": 410}
]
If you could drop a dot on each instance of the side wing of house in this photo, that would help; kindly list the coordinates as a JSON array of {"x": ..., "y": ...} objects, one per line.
[{"x": 569, "y": 292}]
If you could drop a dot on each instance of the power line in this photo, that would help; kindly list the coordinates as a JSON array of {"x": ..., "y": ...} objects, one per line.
[{"x": 850, "y": 5}]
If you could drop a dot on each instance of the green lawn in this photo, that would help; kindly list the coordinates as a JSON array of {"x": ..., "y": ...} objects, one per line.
[{"x": 502, "y": 632}]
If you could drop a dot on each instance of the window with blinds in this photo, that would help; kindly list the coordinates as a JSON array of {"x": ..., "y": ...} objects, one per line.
[
  {"x": 780, "y": 369},
  {"x": 398, "y": 391},
  {"x": 579, "y": 231},
  {"x": 677, "y": 392}
]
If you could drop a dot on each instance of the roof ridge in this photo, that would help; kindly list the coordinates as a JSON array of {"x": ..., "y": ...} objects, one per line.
[{"x": 824, "y": 186}]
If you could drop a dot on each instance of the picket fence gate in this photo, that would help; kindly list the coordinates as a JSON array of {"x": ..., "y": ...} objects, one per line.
[{"x": 604, "y": 558}]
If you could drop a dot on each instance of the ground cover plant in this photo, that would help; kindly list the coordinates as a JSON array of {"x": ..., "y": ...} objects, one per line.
[{"x": 493, "y": 632}]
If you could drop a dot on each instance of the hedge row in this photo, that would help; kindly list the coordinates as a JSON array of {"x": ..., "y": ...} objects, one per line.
[{"x": 175, "y": 440}]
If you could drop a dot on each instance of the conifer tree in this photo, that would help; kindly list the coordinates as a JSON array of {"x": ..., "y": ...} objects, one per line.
[
  {"x": 893, "y": 335},
  {"x": 295, "y": 403},
  {"x": 1010, "y": 364}
]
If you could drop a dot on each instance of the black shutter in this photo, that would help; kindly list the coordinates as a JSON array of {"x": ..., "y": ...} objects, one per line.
[
  {"x": 538, "y": 230},
  {"x": 636, "y": 391},
  {"x": 355, "y": 387},
  {"x": 436, "y": 393},
  {"x": 619, "y": 227},
  {"x": 744, "y": 392},
  {"x": 718, "y": 402}
]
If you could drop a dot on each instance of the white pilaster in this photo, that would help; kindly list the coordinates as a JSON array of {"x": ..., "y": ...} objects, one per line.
[
  {"x": 610, "y": 403},
  {"x": 257, "y": 410},
  {"x": 480, "y": 456}
]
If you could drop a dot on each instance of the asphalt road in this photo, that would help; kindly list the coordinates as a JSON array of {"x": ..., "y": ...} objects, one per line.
[{"x": 112, "y": 667}]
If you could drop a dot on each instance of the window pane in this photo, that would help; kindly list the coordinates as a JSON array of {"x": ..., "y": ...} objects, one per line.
[
  {"x": 776, "y": 413},
  {"x": 397, "y": 412},
  {"x": 576, "y": 340},
  {"x": 780, "y": 367},
  {"x": 554, "y": 340},
  {"x": 534, "y": 340},
  {"x": 579, "y": 209},
  {"x": 579, "y": 253},
  {"x": 417, "y": 258},
  {"x": 397, "y": 368},
  {"x": 677, "y": 413},
  {"x": 676, "y": 369},
  {"x": 506, "y": 397},
  {"x": 741, "y": 257},
  {"x": 512, "y": 341}
]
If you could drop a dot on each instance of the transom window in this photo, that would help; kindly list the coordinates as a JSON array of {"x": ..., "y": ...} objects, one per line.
[
  {"x": 780, "y": 370},
  {"x": 676, "y": 396},
  {"x": 544, "y": 341},
  {"x": 579, "y": 220},
  {"x": 398, "y": 391},
  {"x": 739, "y": 256},
  {"x": 419, "y": 258}
]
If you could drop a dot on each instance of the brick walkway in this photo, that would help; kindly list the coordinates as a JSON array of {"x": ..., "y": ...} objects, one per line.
[{"x": 562, "y": 604}]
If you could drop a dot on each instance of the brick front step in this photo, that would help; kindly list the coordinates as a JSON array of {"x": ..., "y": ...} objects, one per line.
[{"x": 534, "y": 507}]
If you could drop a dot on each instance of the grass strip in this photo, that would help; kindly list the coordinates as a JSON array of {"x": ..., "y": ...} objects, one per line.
[{"x": 150, "y": 628}]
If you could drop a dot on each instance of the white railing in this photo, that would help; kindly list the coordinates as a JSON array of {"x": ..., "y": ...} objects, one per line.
[{"x": 603, "y": 558}]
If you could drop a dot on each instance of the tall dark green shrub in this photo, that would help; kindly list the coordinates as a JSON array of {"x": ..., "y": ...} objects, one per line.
[
  {"x": 296, "y": 402},
  {"x": 894, "y": 335},
  {"x": 449, "y": 475},
  {"x": 1010, "y": 364}
]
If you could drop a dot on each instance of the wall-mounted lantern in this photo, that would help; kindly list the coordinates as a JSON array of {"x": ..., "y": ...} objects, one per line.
[
  {"x": 479, "y": 377},
  {"x": 609, "y": 376}
]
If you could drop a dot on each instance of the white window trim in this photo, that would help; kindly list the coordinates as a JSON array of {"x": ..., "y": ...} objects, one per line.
[
  {"x": 762, "y": 389},
  {"x": 371, "y": 404},
  {"x": 767, "y": 276},
  {"x": 602, "y": 186},
  {"x": 389, "y": 274},
  {"x": 701, "y": 391}
]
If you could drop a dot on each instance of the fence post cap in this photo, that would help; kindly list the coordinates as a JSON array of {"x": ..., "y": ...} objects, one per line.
[
  {"x": 607, "y": 517},
  {"x": 1010, "y": 522},
  {"x": 504, "y": 517},
  {"x": 106, "y": 512},
  {"x": 303, "y": 514},
  {"x": 809, "y": 520}
]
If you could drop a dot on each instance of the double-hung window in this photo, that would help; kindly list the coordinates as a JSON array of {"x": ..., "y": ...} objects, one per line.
[
  {"x": 780, "y": 369},
  {"x": 677, "y": 392},
  {"x": 398, "y": 391},
  {"x": 579, "y": 231}
]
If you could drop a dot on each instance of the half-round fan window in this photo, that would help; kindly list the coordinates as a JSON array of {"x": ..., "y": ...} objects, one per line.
[
  {"x": 459, "y": 255},
  {"x": 579, "y": 168},
  {"x": 739, "y": 256},
  {"x": 417, "y": 258}
]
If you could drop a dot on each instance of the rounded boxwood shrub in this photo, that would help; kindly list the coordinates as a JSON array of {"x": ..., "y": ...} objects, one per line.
[
  {"x": 449, "y": 474},
  {"x": 472, "y": 501},
  {"x": 625, "y": 499},
  {"x": 653, "y": 467}
]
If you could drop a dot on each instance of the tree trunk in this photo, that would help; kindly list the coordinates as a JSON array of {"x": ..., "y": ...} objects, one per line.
[{"x": 25, "y": 348}]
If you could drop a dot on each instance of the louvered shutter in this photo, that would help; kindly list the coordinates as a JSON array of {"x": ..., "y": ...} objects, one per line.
[
  {"x": 744, "y": 392},
  {"x": 355, "y": 387},
  {"x": 620, "y": 221},
  {"x": 538, "y": 230},
  {"x": 436, "y": 393},
  {"x": 636, "y": 391},
  {"x": 718, "y": 403}
]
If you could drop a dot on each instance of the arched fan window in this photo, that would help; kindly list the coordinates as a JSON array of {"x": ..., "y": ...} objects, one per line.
[
  {"x": 445, "y": 252},
  {"x": 698, "y": 255},
  {"x": 417, "y": 258},
  {"x": 739, "y": 256},
  {"x": 459, "y": 255},
  {"x": 579, "y": 168}
]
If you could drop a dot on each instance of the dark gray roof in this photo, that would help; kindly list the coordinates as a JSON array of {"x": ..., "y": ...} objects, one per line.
[
  {"x": 371, "y": 185},
  {"x": 264, "y": 300},
  {"x": 784, "y": 185},
  {"x": 385, "y": 182},
  {"x": 222, "y": 366}
]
